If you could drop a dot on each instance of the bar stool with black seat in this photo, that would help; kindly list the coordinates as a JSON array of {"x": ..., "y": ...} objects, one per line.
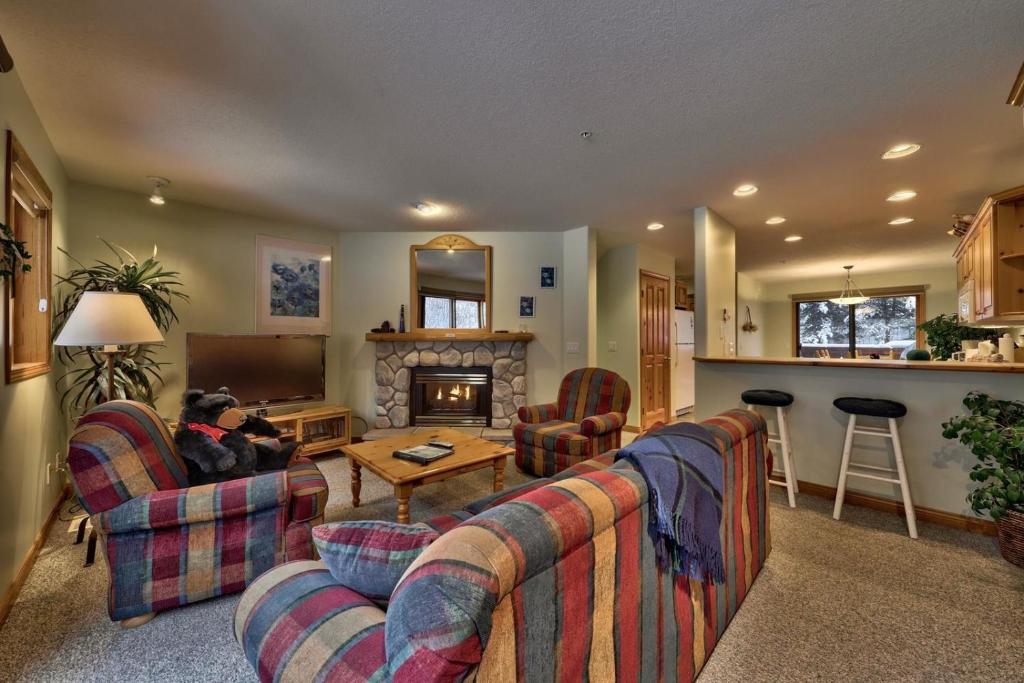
[
  {"x": 779, "y": 400},
  {"x": 891, "y": 411}
]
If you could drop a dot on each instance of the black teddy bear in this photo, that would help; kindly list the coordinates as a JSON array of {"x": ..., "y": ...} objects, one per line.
[{"x": 211, "y": 437}]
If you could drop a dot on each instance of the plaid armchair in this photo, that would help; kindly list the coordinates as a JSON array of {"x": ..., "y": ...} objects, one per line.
[
  {"x": 168, "y": 544},
  {"x": 587, "y": 421}
]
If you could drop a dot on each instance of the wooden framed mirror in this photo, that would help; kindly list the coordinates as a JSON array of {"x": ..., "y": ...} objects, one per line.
[{"x": 450, "y": 285}]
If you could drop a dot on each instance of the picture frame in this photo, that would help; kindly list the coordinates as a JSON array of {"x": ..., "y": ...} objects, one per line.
[
  {"x": 527, "y": 307},
  {"x": 293, "y": 287},
  {"x": 548, "y": 277}
]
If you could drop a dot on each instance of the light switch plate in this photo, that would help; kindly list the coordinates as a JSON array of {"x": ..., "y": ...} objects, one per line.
[
  {"x": 43, "y": 305},
  {"x": 613, "y": 346},
  {"x": 572, "y": 347}
]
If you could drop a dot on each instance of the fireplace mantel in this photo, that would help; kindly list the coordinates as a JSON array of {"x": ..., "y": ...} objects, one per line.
[{"x": 461, "y": 335}]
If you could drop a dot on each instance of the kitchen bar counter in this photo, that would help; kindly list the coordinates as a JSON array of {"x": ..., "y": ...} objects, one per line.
[
  {"x": 932, "y": 391},
  {"x": 885, "y": 363}
]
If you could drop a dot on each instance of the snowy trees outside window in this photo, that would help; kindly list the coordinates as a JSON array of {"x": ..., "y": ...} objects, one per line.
[{"x": 879, "y": 324}]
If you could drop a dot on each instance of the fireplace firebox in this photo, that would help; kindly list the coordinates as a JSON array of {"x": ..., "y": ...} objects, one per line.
[{"x": 451, "y": 396}]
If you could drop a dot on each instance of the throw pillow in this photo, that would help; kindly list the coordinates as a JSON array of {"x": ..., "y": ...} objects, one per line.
[{"x": 370, "y": 557}]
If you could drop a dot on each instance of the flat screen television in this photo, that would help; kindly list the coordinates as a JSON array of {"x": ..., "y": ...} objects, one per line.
[{"x": 260, "y": 370}]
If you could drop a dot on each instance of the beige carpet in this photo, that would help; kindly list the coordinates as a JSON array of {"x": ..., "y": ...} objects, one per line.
[{"x": 853, "y": 601}]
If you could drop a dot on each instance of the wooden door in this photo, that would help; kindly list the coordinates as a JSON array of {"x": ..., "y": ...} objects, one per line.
[{"x": 655, "y": 348}]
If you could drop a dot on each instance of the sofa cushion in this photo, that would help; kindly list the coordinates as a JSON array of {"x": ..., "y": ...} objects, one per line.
[
  {"x": 595, "y": 464},
  {"x": 554, "y": 435},
  {"x": 370, "y": 557},
  {"x": 448, "y": 521},
  {"x": 499, "y": 497}
]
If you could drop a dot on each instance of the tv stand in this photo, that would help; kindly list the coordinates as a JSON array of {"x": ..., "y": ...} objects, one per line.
[{"x": 320, "y": 430}]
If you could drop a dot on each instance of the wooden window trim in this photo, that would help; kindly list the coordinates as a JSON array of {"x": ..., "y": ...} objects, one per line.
[
  {"x": 19, "y": 170},
  {"x": 917, "y": 291}
]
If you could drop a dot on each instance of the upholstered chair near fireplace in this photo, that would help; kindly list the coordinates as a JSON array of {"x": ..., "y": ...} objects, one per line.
[{"x": 587, "y": 421}]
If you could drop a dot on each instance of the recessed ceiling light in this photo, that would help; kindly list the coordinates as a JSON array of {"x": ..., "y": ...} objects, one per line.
[
  {"x": 776, "y": 220},
  {"x": 904, "y": 149},
  {"x": 157, "y": 196},
  {"x": 745, "y": 190},
  {"x": 426, "y": 209},
  {"x": 902, "y": 220},
  {"x": 655, "y": 226},
  {"x": 794, "y": 238},
  {"x": 901, "y": 196}
]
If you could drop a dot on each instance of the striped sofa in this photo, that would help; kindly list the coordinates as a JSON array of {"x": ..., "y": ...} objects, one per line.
[
  {"x": 556, "y": 582},
  {"x": 168, "y": 544},
  {"x": 587, "y": 421}
]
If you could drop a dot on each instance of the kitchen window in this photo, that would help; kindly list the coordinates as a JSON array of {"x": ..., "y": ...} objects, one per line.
[{"x": 884, "y": 325}]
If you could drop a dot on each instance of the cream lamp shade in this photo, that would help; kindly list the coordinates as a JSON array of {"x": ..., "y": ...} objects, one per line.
[{"x": 109, "y": 319}]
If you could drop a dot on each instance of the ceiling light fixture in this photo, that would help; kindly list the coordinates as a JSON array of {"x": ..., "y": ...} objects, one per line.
[
  {"x": 745, "y": 190},
  {"x": 776, "y": 220},
  {"x": 901, "y": 196},
  {"x": 851, "y": 294},
  {"x": 904, "y": 149},
  {"x": 426, "y": 209},
  {"x": 157, "y": 196},
  {"x": 793, "y": 238},
  {"x": 655, "y": 226},
  {"x": 902, "y": 220}
]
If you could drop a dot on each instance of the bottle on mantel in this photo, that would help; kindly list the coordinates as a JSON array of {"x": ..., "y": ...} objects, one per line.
[{"x": 401, "y": 319}]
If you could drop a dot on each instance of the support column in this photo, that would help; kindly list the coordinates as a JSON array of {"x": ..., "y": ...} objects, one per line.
[{"x": 714, "y": 284}]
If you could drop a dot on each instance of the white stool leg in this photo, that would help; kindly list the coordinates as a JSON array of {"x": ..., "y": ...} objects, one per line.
[
  {"x": 908, "y": 504},
  {"x": 841, "y": 485},
  {"x": 789, "y": 449},
  {"x": 787, "y": 461}
]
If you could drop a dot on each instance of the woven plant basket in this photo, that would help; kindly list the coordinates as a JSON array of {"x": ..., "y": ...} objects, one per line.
[{"x": 1010, "y": 529}]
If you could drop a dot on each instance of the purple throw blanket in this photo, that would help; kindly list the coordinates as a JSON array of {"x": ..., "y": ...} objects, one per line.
[{"x": 682, "y": 467}]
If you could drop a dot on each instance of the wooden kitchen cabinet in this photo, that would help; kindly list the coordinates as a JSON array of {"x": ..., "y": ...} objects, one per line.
[{"x": 991, "y": 256}]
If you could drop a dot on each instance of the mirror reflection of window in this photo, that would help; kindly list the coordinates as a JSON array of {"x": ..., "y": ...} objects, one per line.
[{"x": 451, "y": 289}]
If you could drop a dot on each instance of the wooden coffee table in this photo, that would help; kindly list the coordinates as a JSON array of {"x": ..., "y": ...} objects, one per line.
[{"x": 471, "y": 453}]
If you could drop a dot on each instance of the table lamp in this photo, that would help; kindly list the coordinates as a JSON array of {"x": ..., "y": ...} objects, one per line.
[{"x": 109, "y": 319}]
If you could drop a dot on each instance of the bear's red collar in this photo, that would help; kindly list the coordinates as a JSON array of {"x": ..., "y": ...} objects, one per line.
[{"x": 215, "y": 433}]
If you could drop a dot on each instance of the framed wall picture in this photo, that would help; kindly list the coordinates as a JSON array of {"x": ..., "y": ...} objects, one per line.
[
  {"x": 526, "y": 307},
  {"x": 548, "y": 277},
  {"x": 293, "y": 287}
]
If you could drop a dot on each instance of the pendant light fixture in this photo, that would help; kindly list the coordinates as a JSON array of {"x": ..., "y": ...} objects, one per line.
[
  {"x": 851, "y": 294},
  {"x": 157, "y": 196}
]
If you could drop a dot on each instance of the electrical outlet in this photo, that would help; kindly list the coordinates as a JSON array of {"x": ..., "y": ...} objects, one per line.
[
  {"x": 613, "y": 346},
  {"x": 572, "y": 347}
]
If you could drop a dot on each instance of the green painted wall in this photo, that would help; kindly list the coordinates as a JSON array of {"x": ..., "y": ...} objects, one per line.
[{"x": 31, "y": 428}]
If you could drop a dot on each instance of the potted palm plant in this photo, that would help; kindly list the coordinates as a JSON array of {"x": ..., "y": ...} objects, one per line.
[
  {"x": 994, "y": 431},
  {"x": 137, "y": 373}
]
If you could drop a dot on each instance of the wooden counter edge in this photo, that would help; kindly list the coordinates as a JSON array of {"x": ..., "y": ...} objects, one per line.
[{"x": 935, "y": 366}]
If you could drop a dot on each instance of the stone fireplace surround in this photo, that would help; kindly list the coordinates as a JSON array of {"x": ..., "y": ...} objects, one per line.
[{"x": 507, "y": 360}]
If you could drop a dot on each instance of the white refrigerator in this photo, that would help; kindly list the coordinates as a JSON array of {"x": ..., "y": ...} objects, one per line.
[{"x": 682, "y": 364}]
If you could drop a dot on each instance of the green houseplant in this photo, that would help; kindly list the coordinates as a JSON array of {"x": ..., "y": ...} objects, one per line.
[
  {"x": 137, "y": 373},
  {"x": 944, "y": 335},
  {"x": 13, "y": 255},
  {"x": 994, "y": 431}
]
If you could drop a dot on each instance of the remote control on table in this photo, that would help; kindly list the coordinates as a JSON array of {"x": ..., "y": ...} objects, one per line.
[{"x": 441, "y": 444}]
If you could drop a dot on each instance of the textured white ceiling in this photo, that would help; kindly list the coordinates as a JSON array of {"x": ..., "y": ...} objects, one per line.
[{"x": 343, "y": 113}]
